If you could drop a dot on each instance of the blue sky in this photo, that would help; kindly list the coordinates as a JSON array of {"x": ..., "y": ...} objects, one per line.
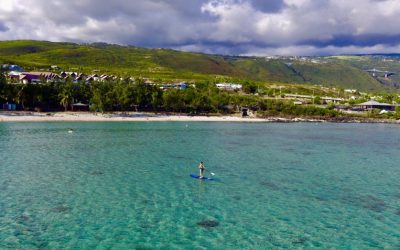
[{"x": 235, "y": 27}]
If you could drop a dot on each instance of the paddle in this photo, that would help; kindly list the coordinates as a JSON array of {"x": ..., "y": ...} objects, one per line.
[{"x": 210, "y": 172}]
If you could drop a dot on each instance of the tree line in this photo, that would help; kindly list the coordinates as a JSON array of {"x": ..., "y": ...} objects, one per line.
[
  {"x": 117, "y": 95},
  {"x": 127, "y": 95}
]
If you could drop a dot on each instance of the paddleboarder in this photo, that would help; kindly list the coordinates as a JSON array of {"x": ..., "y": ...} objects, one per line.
[{"x": 202, "y": 168}]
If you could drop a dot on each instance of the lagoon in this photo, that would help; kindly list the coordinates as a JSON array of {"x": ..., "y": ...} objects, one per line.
[{"x": 126, "y": 185}]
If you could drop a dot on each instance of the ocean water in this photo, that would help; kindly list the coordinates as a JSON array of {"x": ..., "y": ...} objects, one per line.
[{"x": 127, "y": 186}]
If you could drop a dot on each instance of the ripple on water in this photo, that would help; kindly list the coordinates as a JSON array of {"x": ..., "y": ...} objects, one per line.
[{"x": 127, "y": 186}]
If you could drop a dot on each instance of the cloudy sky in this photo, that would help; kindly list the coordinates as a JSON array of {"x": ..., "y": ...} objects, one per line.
[{"x": 237, "y": 27}]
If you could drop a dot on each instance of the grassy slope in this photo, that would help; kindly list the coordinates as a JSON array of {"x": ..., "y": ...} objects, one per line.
[
  {"x": 169, "y": 64},
  {"x": 391, "y": 64},
  {"x": 334, "y": 74}
]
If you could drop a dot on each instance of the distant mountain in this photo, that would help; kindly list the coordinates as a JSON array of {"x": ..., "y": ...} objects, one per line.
[
  {"x": 344, "y": 71},
  {"x": 395, "y": 55}
]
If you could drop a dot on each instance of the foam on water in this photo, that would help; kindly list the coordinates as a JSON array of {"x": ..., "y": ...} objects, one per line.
[{"x": 127, "y": 186}]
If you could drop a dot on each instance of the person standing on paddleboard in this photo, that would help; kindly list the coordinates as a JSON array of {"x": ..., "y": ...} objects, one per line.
[{"x": 202, "y": 168}]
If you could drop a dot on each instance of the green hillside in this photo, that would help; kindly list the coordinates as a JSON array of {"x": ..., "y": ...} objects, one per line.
[
  {"x": 335, "y": 74},
  {"x": 389, "y": 63},
  {"x": 168, "y": 64}
]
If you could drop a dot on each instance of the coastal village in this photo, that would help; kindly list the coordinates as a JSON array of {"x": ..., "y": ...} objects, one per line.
[
  {"x": 208, "y": 124},
  {"x": 347, "y": 103}
]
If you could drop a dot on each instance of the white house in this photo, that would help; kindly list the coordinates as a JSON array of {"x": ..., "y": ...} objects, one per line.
[{"x": 229, "y": 86}]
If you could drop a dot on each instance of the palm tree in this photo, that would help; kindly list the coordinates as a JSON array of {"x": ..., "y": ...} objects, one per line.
[
  {"x": 65, "y": 100},
  {"x": 66, "y": 95},
  {"x": 22, "y": 95},
  {"x": 156, "y": 99}
]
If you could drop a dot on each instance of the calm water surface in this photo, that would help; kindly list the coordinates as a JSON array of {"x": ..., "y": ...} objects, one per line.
[{"x": 127, "y": 186}]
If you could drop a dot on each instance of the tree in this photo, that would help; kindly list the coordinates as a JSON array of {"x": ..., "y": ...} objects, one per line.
[
  {"x": 82, "y": 92},
  {"x": 250, "y": 88},
  {"x": 317, "y": 100},
  {"x": 173, "y": 100},
  {"x": 105, "y": 97},
  {"x": 123, "y": 91},
  {"x": 22, "y": 95},
  {"x": 49, "y": 96},
  {"x": 3, "y": 80},
  {"x": 397, "y": 114},
  {"x": 156, "y": 99},
  {"x": 66, "y": 95},
  {"x": 3, "y": 86},
  {"x": 143, "y": 94}
]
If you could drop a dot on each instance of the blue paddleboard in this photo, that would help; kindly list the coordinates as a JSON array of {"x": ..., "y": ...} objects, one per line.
[{"x": 198, "y": 177}]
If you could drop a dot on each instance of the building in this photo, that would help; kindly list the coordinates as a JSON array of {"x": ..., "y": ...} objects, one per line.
[
  {"x": 331, "y": 99},
  {"x": 180, "y": 85},
  {"x": 326, "y": 99},
  {"x": 9, "y": 106},
  {"x": 12, "y": 68},
  {"x": 229, "y": 86},
  {"x": 295, "y": 96},
  {"x": 80, "y": 107},
  {"x": 36, "y": 77},
  {"x": 376, "y": 105}
]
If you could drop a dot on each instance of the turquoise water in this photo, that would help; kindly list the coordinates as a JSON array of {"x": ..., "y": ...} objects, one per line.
[{"x": 127, "y": 186}]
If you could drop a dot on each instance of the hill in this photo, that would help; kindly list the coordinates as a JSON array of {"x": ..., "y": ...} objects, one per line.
[{"x": 166, "y": 64}]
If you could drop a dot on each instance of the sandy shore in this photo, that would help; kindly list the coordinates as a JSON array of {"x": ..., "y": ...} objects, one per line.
[
  {"x": 96, "y": 117},
  {"x": 22, "y": 116}
]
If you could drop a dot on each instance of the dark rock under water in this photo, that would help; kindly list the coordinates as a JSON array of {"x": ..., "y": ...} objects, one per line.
[
  {"x": 208, "y": 223},
  {"x": 23, "y": 218},
  {"x": 270, "y": 185},
  {"x": 367, "y": 201},
  {"x": 236, "y": 197},
  {"x": 96, "y": 173},
  {"x": 373, "y": 203},
  {"x": 300, "y": 240},
  {"x": 60, "y": 209}
]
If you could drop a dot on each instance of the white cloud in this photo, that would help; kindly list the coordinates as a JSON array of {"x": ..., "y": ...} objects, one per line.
[{"x": 215, "y": 26}]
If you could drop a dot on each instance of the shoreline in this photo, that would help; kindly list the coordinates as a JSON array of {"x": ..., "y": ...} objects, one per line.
[{"x": 23, "y": 116}]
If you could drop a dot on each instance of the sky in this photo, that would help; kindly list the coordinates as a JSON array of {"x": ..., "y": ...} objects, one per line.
[{"x": 232, "y": 27}]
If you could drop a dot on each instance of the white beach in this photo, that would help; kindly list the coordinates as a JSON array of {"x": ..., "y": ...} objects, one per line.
[{"x": 130, "y": 117}]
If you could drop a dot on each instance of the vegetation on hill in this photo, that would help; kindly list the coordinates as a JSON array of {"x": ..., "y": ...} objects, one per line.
[
  {"x": 390, "y": 63},
  {"x": 337, "y": 75},
  {"x": 165, "y": 64}
]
